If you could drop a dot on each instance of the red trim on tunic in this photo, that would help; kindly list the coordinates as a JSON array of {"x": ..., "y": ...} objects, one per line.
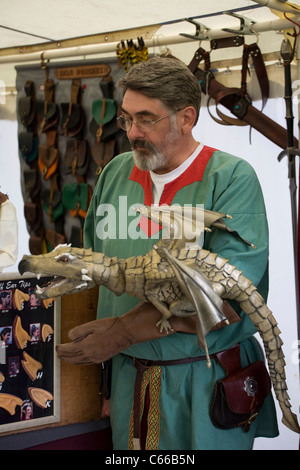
[{"x": 192, "y": 174}]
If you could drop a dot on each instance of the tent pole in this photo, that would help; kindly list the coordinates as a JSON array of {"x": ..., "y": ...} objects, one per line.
[{"x": 155, "y": 41}]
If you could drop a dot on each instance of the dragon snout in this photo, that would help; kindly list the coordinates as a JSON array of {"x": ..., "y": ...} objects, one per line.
[{"x": 23, "y": 266}]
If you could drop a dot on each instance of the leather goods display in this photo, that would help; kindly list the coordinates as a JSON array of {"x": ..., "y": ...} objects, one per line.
[
  {"x": 239, "y": 396},
  {"x": 67, "y": 133}
]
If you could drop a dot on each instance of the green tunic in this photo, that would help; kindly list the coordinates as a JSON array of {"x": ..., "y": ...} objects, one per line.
[{"x": 182, "y": 394}]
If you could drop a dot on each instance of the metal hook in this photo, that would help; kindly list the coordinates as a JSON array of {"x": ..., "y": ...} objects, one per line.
[
  {"x": 245, "y": 24},
  {"x": 43, "y": 64},
  {"x": 201, "y": 31}
]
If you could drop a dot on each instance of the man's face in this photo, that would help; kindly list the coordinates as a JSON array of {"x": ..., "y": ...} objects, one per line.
[{"x": 152, "y": 149}]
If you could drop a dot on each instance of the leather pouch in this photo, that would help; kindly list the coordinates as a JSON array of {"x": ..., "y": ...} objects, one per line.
[
  {"x": 51, "y": 203},
  {"x": 76, "y": 157},
  {"x": 28, "y": 146},
  {"x": 76, "y": 237},
  {"x": 32, "y": 183},
  {"x": 47, "y": 161},
  {"x": 48, "y": 115},
  {"x": 72, "y": 119},
  {"x": 239, "y": 396},
  {"x": 54, "y": 238},
  {"x": 33, "y": 215},
  {"x": 76, "y": 198},
  {"x": 102, "y": 153},
  {"x": 37, "y": 245},
  {"x": 26, "y": 110},
  {"x": 109, "y": 130},
  {"x": 103, "y": 112}
]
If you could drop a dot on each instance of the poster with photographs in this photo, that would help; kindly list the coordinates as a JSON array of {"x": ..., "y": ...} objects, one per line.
[{"x": 28, "y": 366}]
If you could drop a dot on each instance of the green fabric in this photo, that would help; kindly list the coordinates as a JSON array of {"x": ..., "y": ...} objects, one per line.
[{"x": 229, "y": 185}]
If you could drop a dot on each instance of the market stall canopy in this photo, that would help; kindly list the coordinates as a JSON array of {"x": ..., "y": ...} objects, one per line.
[
  {"x": 39, "y": 31},
  {"x": 42, "y": 25}
]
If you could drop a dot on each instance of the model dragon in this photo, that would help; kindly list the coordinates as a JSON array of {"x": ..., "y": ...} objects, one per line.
[{"x": 179, "y": 278}]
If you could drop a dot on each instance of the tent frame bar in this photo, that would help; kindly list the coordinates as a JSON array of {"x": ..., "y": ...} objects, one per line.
[{"x": 109, "y": 47}]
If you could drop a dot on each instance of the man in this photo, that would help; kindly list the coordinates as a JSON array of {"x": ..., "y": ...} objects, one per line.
[{"x": 170, "y": 410}]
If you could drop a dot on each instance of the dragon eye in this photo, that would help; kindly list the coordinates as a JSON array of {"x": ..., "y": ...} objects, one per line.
[{"x": 65, "y": 257}]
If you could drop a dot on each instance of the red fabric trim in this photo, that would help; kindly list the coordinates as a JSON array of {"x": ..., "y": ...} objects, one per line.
[{"x": 192, "y": 174}]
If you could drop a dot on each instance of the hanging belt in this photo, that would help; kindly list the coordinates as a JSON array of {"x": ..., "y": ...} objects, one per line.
[{"x": 142, "y": 365}]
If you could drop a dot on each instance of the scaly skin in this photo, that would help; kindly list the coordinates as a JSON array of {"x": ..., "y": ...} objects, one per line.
[{"x": 150, "y": 278}]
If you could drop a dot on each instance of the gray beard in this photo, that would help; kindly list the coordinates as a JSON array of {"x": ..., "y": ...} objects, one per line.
[{"x": 148, "y": 162}]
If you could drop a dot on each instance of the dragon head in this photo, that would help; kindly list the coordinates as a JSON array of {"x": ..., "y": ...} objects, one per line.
[{"x": 71, "y": 268}]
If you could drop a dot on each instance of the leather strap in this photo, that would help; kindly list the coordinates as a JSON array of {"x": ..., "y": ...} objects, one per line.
[
  {"x": 200, "y": 54},
  {"x": 240, "y": 96},
  {"x": 254, "y": 51},
  {"x": 232, "y": 41},
  {"x": 255, "y": 118}
]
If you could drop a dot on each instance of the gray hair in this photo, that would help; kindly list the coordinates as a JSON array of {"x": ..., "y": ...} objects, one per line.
[{"x": 167, "y": 79}]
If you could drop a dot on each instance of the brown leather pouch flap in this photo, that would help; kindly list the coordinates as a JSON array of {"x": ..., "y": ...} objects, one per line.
[
  {"x": 53, "y": 238},
  {"x": 26, "y": 110},
  {"x": 28, "y": 145},
  {"x": 47, "y": 155},
  {"x": 33, "y": 215},
  {"x": 76, "y": 156},
  {"x": 31, "y": 182},
  {"x": 48, "y": 160},
  {"x": 71, "y": 115},
  {"x": 247, "y": 388}
]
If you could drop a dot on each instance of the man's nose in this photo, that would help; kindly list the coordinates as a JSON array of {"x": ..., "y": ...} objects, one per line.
[{"x": 135, "y": 133}]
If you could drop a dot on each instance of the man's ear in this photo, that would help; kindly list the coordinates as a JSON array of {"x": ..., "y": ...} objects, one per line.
[{"x": 188, "y": 119}]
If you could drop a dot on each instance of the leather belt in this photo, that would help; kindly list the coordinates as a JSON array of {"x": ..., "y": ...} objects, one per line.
[{"x": 142, "y": 365}]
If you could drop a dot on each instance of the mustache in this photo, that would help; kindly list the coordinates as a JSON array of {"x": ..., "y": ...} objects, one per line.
[{"x": 141, "y": 143}]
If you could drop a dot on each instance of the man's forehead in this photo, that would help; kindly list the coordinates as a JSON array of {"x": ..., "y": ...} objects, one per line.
[{"x": 136, "y": 103}]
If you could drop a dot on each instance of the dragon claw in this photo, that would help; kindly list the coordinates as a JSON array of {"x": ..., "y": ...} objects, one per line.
[{"x": 164, "y": 326}]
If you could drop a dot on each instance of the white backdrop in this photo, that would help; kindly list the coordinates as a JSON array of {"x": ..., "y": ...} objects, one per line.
[{"x": 273, "y": 177}]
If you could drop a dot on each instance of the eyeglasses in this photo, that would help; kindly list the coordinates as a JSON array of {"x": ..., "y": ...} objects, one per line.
[{"x": 144, "y": 125}]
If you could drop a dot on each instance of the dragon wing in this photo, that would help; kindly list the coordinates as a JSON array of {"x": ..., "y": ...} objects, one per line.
[
  {"x": 185, "y": 224},
  {"x": 208, "y": 305}
]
